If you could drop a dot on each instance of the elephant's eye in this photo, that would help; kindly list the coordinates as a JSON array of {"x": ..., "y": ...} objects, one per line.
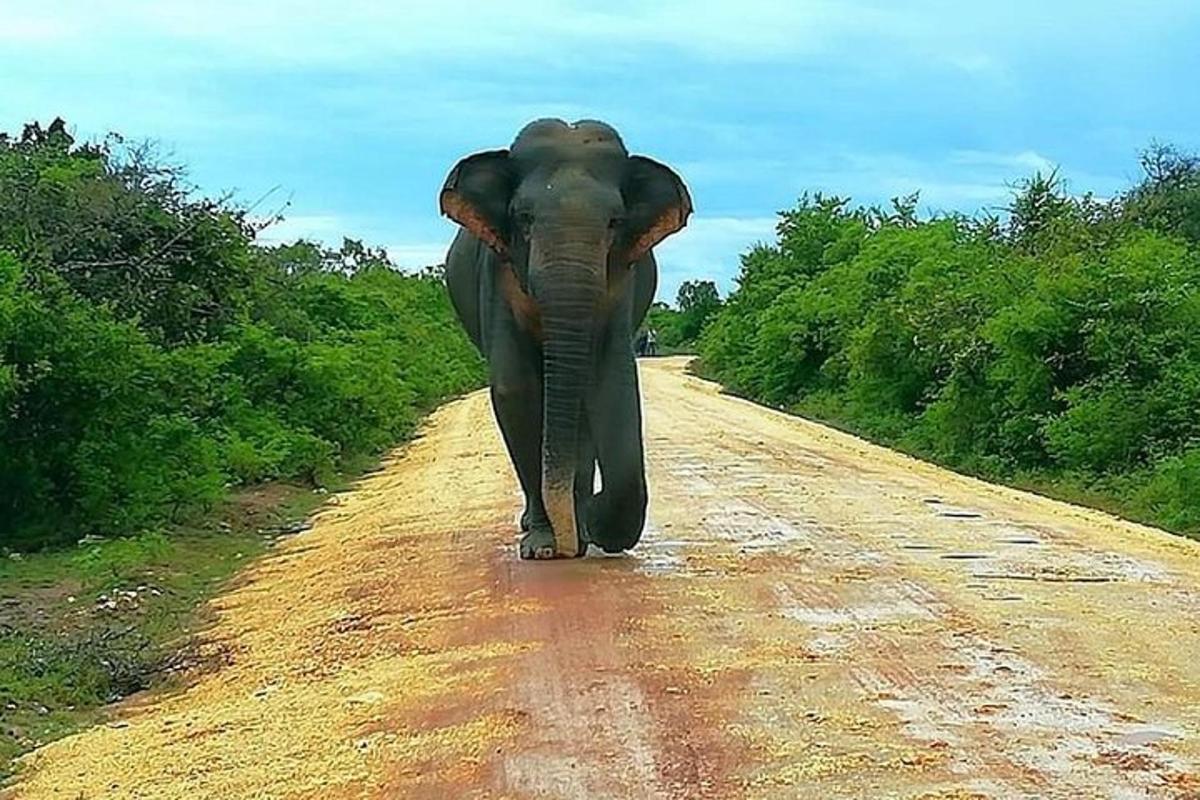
[{"x": 615, "y": 223}]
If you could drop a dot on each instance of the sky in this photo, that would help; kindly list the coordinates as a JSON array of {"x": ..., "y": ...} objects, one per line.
[{"x": 352, "y": 112}]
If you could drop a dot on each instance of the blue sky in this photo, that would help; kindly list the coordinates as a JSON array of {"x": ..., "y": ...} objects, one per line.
[{"x": 357, "y": 109}]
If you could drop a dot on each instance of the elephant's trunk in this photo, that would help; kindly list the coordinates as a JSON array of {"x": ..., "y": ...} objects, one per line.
[{"x": 568, "y": 293}]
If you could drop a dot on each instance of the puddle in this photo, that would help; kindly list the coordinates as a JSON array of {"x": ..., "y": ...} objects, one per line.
[
  {"x": 752, "y": 529},
  {"x": 960, "y": 513},
  {"x": 664, "y": 563},
  {"x": 1052, "y": 561},
  {"x": 964, "y": 556},
  {"x": 858, "y": 615},
  {"x": 1044, "y": 577},
  {"x": 1143, "y": 737}
]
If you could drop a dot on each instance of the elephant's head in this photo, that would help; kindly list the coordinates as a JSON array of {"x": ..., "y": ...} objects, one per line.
[{"x": 570, "y": 212}]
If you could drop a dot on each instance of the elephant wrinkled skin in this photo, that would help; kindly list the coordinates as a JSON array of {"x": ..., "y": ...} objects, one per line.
[{"x": 551, "y": 274}]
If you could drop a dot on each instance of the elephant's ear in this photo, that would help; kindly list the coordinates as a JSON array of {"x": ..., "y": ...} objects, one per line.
[
  {"x": 476, "y": 196},
  {"x": 656, "y": 204}
]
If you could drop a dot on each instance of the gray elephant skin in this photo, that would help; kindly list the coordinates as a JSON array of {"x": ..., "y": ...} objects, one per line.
[{"x": 551, "y": 273}]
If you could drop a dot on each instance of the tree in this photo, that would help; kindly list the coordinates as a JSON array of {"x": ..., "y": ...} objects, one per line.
[
  {"x": 1168, "y": 198},
  {"x": 698, "y": 301}
]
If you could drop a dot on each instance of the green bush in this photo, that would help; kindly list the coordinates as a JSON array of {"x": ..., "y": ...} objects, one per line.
[
  {"x": 1057, "y": 346},
  {"x": 152, "y": 355},
  {"x": 1168, "y": 492}
]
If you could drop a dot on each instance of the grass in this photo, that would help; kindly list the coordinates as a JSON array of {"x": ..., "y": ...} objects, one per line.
[{"x": 83, "y": 627}]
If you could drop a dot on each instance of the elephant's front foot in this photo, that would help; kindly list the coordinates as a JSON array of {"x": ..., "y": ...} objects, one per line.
[
  {"x": 616, "y": 528},
  {"x": 538, "y": 544}
]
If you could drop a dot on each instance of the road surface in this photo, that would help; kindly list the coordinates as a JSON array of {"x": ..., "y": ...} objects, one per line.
[{"x": 809, "y": 616}]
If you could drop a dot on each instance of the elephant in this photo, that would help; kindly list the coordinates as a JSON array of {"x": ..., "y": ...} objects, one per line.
[{"x": 551, "y": 272}]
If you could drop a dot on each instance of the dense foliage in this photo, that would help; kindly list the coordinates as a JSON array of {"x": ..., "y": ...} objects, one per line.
[
  {"x": 1056, "y": 347},
  {"x": 152, "y": 354}
]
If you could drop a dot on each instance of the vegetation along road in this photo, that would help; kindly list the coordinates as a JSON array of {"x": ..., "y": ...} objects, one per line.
[{"x": 808, "y": 616}]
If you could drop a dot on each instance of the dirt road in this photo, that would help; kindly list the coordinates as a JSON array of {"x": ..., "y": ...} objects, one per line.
[{"x": 809, "y": 616}]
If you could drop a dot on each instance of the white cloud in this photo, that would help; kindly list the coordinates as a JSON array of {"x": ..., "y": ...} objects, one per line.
[
  {"x": 958, "y": 180},
  {"x": 979, "y": 41},
  {"x": 368, "y": 30},
  {"x": 347, "y": 32},
  {"x": 416, "y": 255},
  {"x": 330, "y": 229},
  {"x": 1022, "y": 162},
  {"x": 30, "y": 28}
]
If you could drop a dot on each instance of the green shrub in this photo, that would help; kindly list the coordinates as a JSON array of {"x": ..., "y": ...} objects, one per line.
[{"x": 1168, "y": 492}]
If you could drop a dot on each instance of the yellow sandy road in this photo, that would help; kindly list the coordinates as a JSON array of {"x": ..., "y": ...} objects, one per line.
[{"x": 808, "y": 616}]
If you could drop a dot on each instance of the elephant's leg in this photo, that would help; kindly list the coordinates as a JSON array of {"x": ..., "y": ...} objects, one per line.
[
  {"x": 585, "y": 478},
  {"x": 518, "y": 410},
  {"x": 516, "y": 389},
  {"x": 618, "y": 513}
]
